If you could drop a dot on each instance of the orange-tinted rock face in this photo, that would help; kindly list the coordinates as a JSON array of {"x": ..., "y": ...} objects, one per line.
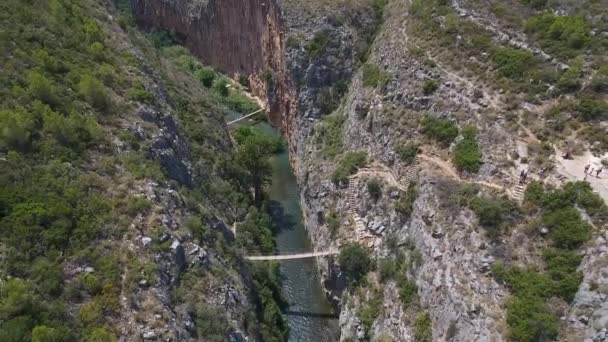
[{"x": 238, "y": 37}]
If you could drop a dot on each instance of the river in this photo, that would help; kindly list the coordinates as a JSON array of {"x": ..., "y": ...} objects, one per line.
[{"x": 309, "y": 312}]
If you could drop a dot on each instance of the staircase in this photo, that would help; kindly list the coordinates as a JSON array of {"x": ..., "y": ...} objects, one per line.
[
  {"x": 518, "y": 192},
  {"x": 361, "y": 233},
  {"x": 409, "y": 172}
]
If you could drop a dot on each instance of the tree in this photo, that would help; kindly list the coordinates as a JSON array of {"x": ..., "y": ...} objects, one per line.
[
  {"x": 94, "y": 92},
  {"x": 16, "y": 129},
  {"x": 354, "y": 262},
  {"x": 221, "y": 86},
  {"x": 41, "y": 88},
  {"x": 374, "y": 188},
  {"x": 206, "y": 75},
  {"x": 42, "y": 333},
  {"x": 252, "y": 155},
  {"x": 101, "y": 335}
]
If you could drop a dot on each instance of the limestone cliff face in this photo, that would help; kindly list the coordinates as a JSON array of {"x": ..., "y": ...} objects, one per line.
[{"x": 238, "y": 37}]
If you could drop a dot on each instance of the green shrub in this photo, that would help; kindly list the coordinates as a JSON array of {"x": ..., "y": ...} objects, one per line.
[
  {"x": 405, "y": 204},
  {"x": 373, "y": 76},
  {"x": 241, "y": 104},
  {"x": 90, "y": 315},
  {"x": 91, "y": 283},
  {"x": 529, "y": 319},
  {"x": 210, "y": 325},
  {"x": 354, "y": 262},
  {"x": 407, "y": 152},
  {"x": 267, "y": 286},
  {"x": 599, "y": 82},
  {"x": 221, "y": 87},
  {"x": 206, "y": 75},
  {"x": 317, "y": 44},
  {"x": 423, "y": 328},
  {"x": 566, "y": 228},
  {"x": 331, "y": 134},
  {"x": 101, "y": 335},
  {"x": 41, "y": 88},
  {"x": 244, "y": 80},
  {"x": 408, "y": 292},
  {"x": 329, "y": 97},
  {"x": 535, "y": 193},
  {"x": 441, "y": 130},
  {"x": 561, "y": 266},
  {"x": 348, "y": 165},
  {"x": 536, "y": 4},
  {"x": 162, "y": 39},
  {"x": 570, "y": 80},
  {"x": 513, "y": 63},
  {"x": 139, "y": 93},
  {"x": 489, "y": 213},
  {"x": 388, "y": 268},
  {"x": 94, "y": 92},
  {"x": 43, "y": 333},
  {"x": 430, "y": 86},
  {"x": 370, "y": 311},
  {"x": 592, "y": 109},
  {"x": 18, "y": 127},
  {"x": 467, "y": 153},
  {"x": 593, "y": 203},
  {"x": 374, "y": 188},
  {"x": 561, "y": 34}
]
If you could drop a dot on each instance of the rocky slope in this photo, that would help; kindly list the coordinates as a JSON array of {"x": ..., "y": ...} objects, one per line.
[
  {"x": 434, "y": 58},
  {"x": 139, "y": 251}
]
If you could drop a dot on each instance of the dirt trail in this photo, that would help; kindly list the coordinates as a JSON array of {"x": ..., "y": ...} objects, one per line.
[{"x": 377, "y": 169}]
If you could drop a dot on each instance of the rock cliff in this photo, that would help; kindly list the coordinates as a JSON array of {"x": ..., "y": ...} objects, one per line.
[{"x": 239, "y": 38}]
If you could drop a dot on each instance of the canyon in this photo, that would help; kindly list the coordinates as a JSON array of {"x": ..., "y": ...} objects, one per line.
[{"x": 274, "y": 44}]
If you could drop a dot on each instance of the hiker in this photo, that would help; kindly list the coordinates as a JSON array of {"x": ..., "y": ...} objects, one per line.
[
  {"x": 597, "y": 173},
  {"x": 522, "y": 176},
  {"x": 525, "y": 175},
  {"x": 587, "y": 168}
]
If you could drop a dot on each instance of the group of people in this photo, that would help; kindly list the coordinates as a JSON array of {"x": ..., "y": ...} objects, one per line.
[
  {"x": 523, "y": 175},
  {"x": 597, "y": 171}
]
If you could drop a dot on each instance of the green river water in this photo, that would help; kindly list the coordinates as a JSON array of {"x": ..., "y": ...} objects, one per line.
[{"x": 309, "y": 314}]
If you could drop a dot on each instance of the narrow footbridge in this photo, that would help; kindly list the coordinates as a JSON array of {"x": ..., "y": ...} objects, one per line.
[
  {"x": 291, "y": 256},
  {"x": 245, "y": 117}
]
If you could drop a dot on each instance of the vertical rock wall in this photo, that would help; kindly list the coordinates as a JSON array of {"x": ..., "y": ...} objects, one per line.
[{"x": 238, "y": 37}]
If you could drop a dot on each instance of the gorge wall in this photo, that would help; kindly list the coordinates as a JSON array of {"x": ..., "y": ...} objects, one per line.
[{"x": 239, "y": 38}]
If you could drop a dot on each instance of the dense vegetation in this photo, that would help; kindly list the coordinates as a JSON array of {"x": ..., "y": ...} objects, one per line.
[
  {"x": 443, "y": 131},
  {"x": 348, "y": 165},
  {"x": 354, "y": 262},
  {"x": 407, "y": 152},
  {"x": 528, "y": 314},
  {"x": 467, "y": 153},
  {"x": 66, "y": 92}
]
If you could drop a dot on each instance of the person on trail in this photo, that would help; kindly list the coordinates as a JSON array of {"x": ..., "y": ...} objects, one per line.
[
  {"x": 597, "y": 173},
  {"x": 522, "y": 175},
  {"x": 587, "y": 168},
  {"x": 525, "y": 175}
]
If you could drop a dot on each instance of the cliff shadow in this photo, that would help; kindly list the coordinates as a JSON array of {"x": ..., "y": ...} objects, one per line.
[{"x": 282, "y": 220}]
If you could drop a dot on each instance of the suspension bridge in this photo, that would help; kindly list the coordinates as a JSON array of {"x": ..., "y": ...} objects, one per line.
[
  {"x": 245, "y": 117},
  {"x": 293, "y": 256}
]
